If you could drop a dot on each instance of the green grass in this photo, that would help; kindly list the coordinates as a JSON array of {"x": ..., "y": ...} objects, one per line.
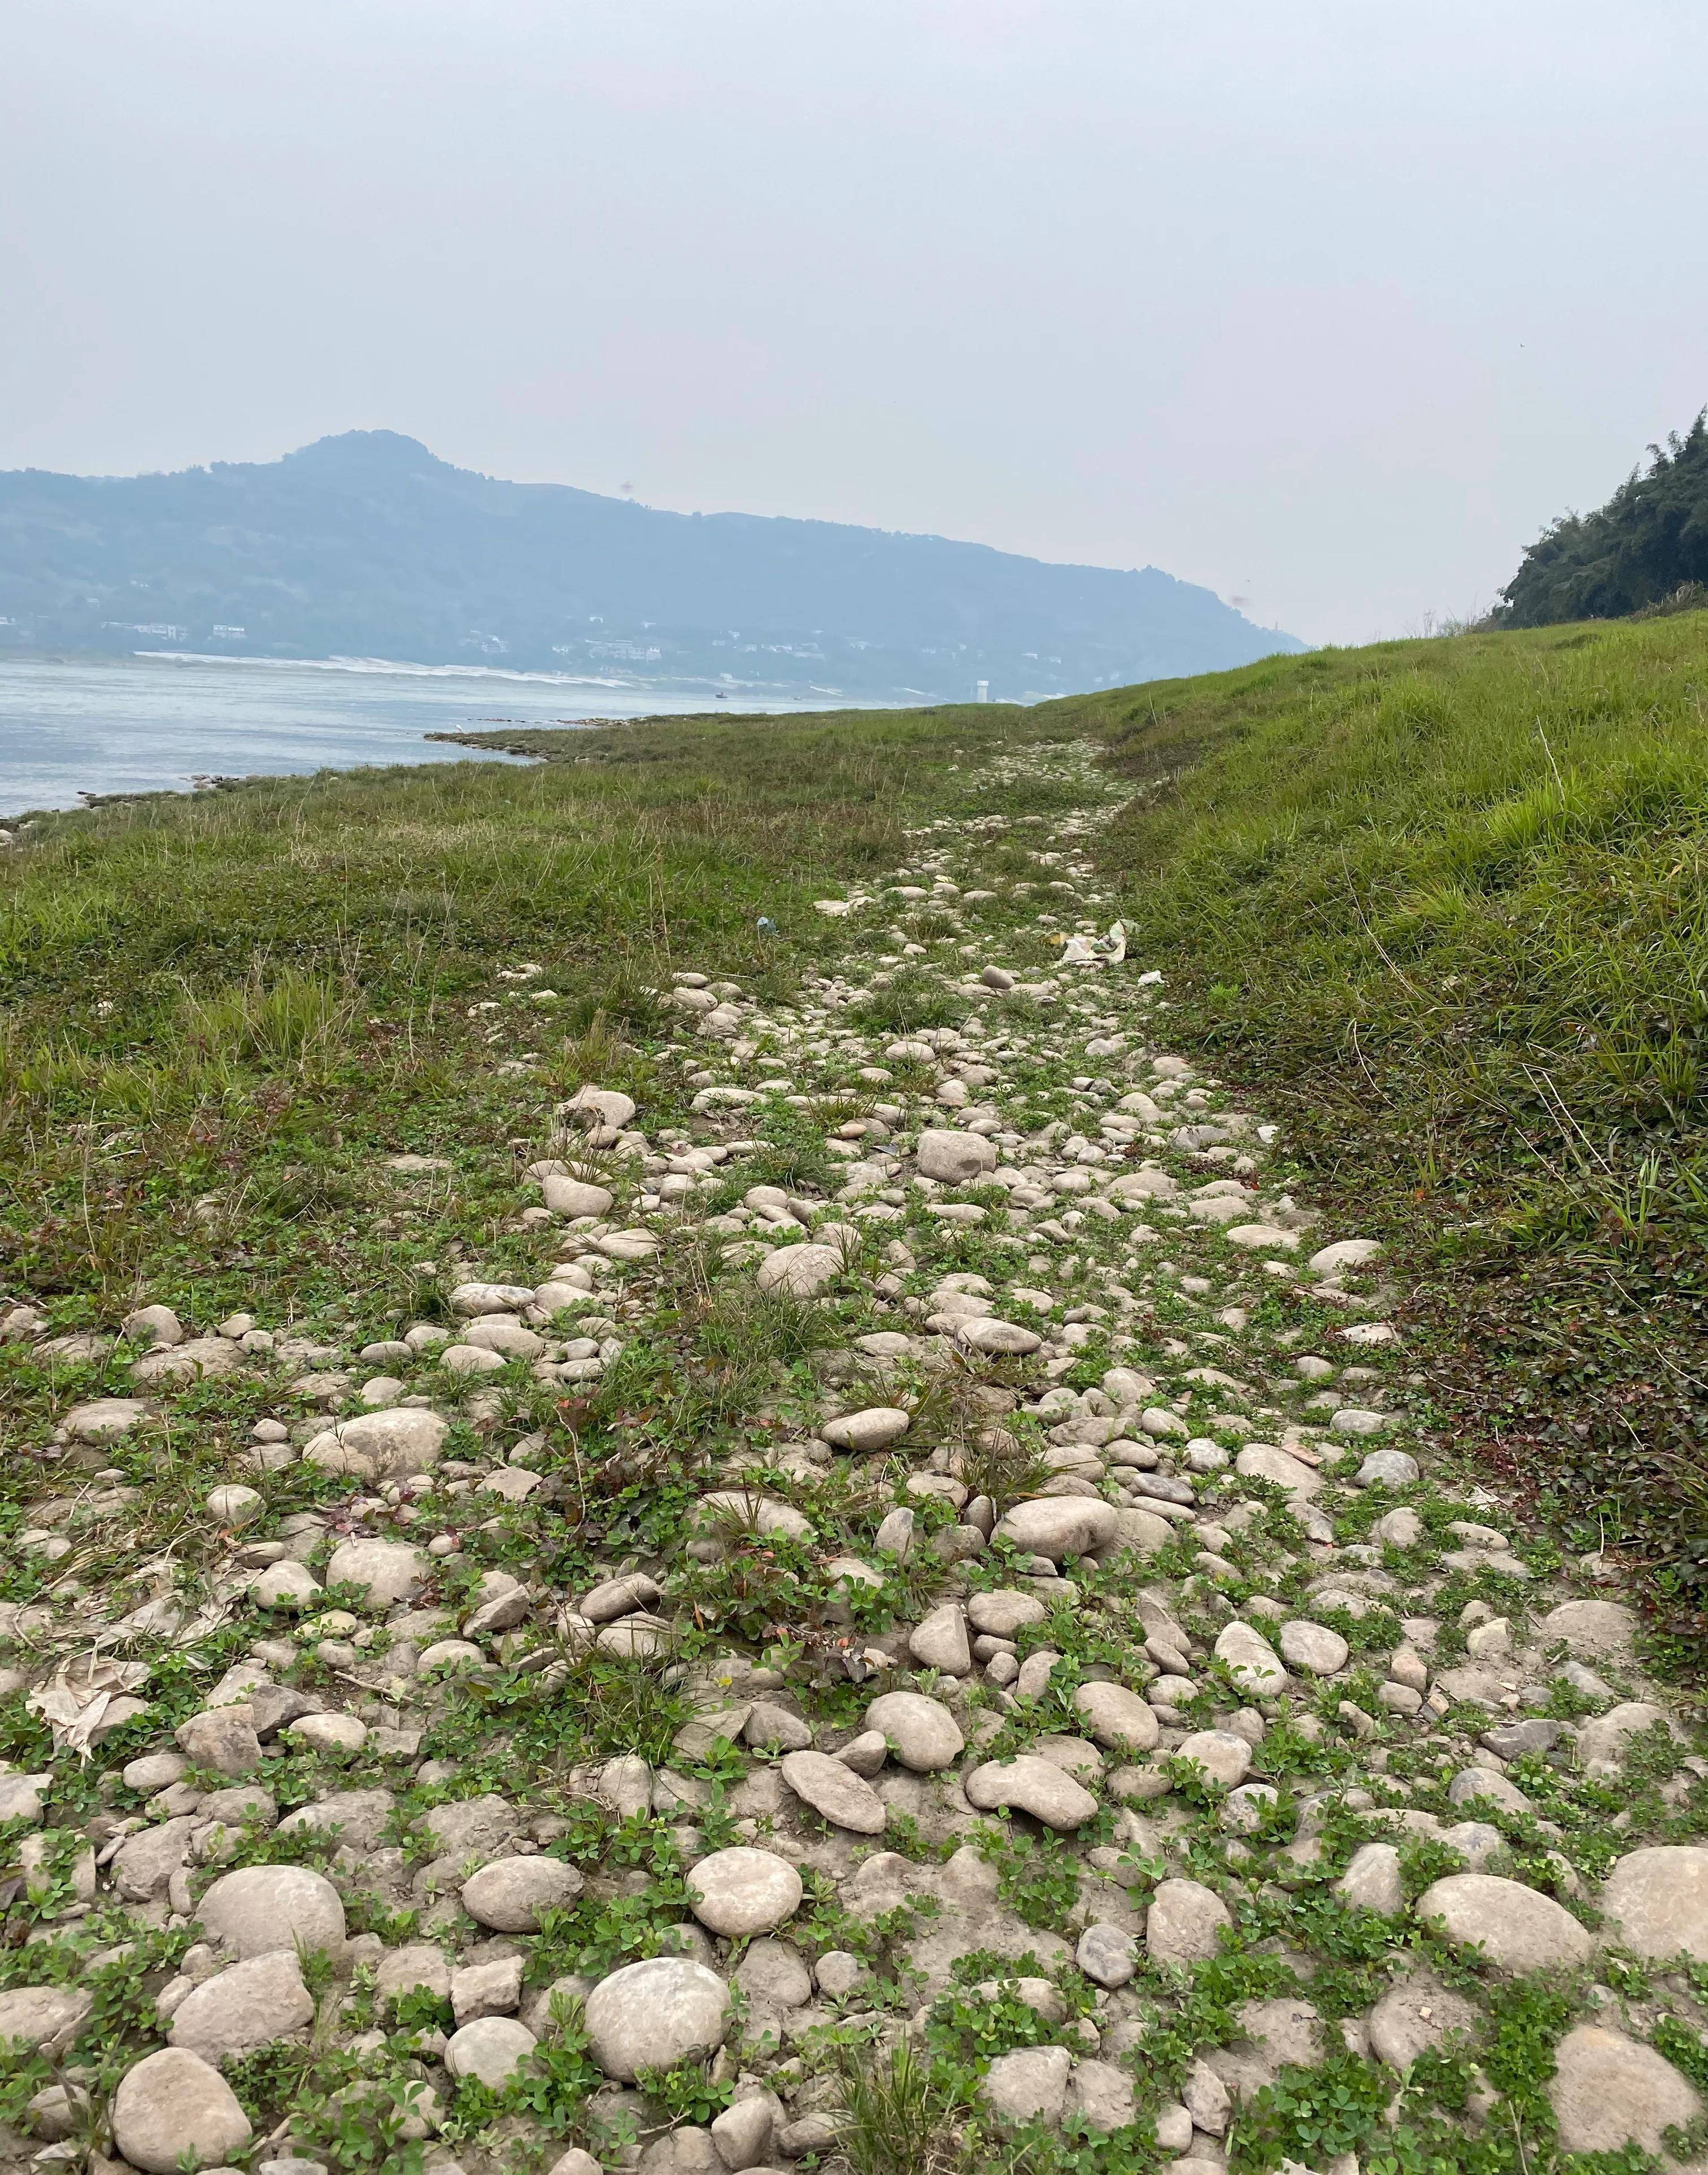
[
  {"x": 1442, "y": 905},
  {"x": 1439, "y": 905}
]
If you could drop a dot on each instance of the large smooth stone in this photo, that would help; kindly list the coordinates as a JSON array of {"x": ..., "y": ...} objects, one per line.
[
  {"x": 383, "y": 1445},
  {"x": 1262, "y": 1460},
  {"x": 1058, "y": 1526},
  {"x": 1313, "y": 1647},
  {"x": 922, "y": 1732},
  {"x": 939, "y": 1641},
  {"x": 1185, "y": 1922},
  {"x": 1656, "y": 1901},
  {"x": 800, "y": 1272},
  {"x": 1029, "y": 2085},
  {"x": 387, "y": 1571},
  {"x": 510, "y": 1894},
  {"x": 1250, "y": 1660},
  {"x": 742, "y": 1892},
  {"x": 835, "y": 1792},
  {"x": 1589, "y": 1627},
  {"x": 492, "y": 2049},
  {"x": 953, "y": 1158},
  {"x": 1031, "y": 1785},
  {"x": 574, "y": 1196},
  {"x": 1415, "y": 2016},
  {"x": 1117, "y": 1719},
  {"x": 1225, "y": 1758},
  {"x": 263, "y": 1908},
  {"x": 1608, "y": 2091},
  {"x": 655, "y": 2015},
  {"x": 173, "y": 2104},
  {"x": 874, "y": 1428},
  {"x": 249, "y": 2006},
  {"x": 1518, "y": 1928},
  {"x": 38, "y": 2015}
]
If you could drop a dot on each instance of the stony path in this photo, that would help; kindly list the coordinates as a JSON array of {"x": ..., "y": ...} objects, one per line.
[{"x": 1074, "y": 1672}]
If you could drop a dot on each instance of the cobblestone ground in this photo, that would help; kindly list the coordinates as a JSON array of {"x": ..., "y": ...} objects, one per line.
[{"x": 979, "y": 1657}]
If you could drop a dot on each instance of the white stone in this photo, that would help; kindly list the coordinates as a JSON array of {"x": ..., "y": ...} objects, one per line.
[
  {"x": 955, "y": 1159},
  {"x": 1185, "y": 1922},
  {"x": 1655, "y": 1902},
  {"x": 922, "y": 1731},
  {"x": 248, "y": 2006},
  {"x": 171, "y": 2104},
  {"x": 657, "y": 2013},
  {"x": 742, "y": 1892},
  {"x": 1608, "y": 2091},
  {"x": 1519, "y": 1929},
  {"x": 382, "y": 1446},
  {"x": 874, "y": 1428},
  {"x": 492, "y": 2049},
  {"x": 511, "y": 1893},
  {"x": 1029, "y": 1784},
  {"x": 1117, "y": 1718},
  {"x": 263, "y": 1908}
]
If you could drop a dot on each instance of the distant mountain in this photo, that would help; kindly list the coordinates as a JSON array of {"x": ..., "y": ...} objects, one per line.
[
  {"x": 366, "y": 544},
  {"x": 1645, "y": 549}
]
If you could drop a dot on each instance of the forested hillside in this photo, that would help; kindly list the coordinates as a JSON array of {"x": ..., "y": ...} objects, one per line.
[{"x": 1645, "y": 549}]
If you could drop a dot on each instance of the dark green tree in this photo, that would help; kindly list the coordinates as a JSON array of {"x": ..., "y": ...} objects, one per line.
[{"x": 1649, "y": 542}]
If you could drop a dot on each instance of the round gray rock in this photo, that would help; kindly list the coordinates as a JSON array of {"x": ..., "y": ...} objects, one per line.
[
  {"x": 1030, "y": 2085},
  {"x": 1386, "y": 1468},
  {"x": 1004, "y": 1612},
  {"x": 954, "y": 1159},
  {"x": 1250, "y": 1660},
  {"x": 1225, "y": 1758},
  {"x": 1117, "y": 1718},
  {"x": 174, "y": 2103},
  {"x": 1058, "y": 1526},
  {"x": 389, "y": 1445},
  {"x": 1185, "y": 1922},
  {"x": 1518, "y": 1928},
  {"x": 510, "y": 1894},
  {"x": 1416, "y": 2015},
  {"x": 656, "y": 2014},
  {"x": 1313, "y": 1647},
  {"x": 874, "y": 1428},
  {"x": 1589, "y": 1627},
  {"x": 1608, "y": 2091},
  {"x": 387, "y": 1571},
  {"x": 742, "y": 1892},
  {"x": 491, "y": 2048},
  {"x": 1372, "y": 1881},
  {"x": 264, "y": 1908},
  {"x": 38, "y": 2014},
  {"x": 922, "y": 1733},
  {"x": 249, "y": 2006},
  {"x": 1657, "y": 1901},
  {"x": 1108, "y": 1956}
]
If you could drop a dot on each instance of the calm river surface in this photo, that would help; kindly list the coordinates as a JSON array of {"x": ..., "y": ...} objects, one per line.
[{"x": 139, "y": 724}]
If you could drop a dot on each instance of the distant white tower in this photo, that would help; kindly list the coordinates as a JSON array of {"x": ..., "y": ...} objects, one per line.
[{"x": 982, "y": 691}]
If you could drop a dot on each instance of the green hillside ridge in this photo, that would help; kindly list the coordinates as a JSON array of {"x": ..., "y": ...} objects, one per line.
[{"x": 1646, "y": 550}]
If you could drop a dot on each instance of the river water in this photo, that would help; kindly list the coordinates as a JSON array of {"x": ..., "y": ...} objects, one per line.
[{"x": 72, "y": 726}]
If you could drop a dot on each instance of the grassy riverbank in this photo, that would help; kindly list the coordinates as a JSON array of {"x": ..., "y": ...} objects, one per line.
[{"x": 1442, "y": 901}]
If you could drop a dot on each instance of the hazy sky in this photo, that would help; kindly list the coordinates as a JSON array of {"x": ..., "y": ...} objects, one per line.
[{"x": 1329, "y": 306}]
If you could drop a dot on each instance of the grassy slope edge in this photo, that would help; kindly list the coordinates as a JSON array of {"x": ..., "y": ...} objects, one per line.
[
  {"x": 1443, "y": 902},
  {"x": 1440, "y": 905}
]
